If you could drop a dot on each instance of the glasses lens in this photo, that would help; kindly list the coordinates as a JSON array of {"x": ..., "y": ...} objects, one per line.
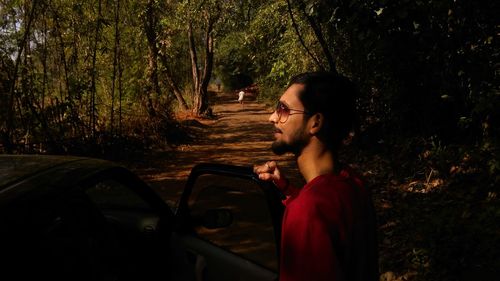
[{"x": 282, "y": 111}]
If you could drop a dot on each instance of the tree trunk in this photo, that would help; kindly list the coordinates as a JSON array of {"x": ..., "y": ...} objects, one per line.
[
  {"x": 203, "y": 106},
  {"x": 153, "y": 87},
  {"x": 200, "y": 103},
  {"x": 44, "y": 65},
  {"x": 7, "y": 135},
  {"x": 62, "y": 53},
  {"x": 316, "y": 27},
  {"x": 194, "y": 60},
  {"x": 116, "y": 53},
  {"x": 172, "y": 84},
  {"x": 324, "y": 46},
  {"x": 93, "y": 89},
  {"x": 301, "y": 40}
]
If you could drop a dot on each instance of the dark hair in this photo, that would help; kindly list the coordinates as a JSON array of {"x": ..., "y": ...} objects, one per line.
[{"x": 332, "y": 95}]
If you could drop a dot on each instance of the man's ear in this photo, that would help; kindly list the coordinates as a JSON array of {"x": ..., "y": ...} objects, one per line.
[{"x": 316, "y": 123}]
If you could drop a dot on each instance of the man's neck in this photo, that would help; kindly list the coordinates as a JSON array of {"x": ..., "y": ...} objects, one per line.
[{"x": 316, "y": 160}]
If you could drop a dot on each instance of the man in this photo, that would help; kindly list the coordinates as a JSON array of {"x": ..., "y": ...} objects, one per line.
[
  {"x": 328, "y": 228},
  {"x": 241, "y": 95}
]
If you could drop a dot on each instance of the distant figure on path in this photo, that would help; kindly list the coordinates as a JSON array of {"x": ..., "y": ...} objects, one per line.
[
  {"x": 328, "y": 228},
  {"x": 241, "y": 95},
  {"x": 218, "y": 82}
]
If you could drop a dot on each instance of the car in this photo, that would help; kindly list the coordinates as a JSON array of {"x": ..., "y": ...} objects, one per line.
[{"x": 77, "y": 218}]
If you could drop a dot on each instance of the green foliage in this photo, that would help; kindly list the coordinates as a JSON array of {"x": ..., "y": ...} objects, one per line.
[
  {"x": 233, "y": 60},
  {"x": 422, "y": 66},
  {"x": 263, "y": 47},
  {"x": 53, "y": 98},
  {"x": 426, "y": 68}
]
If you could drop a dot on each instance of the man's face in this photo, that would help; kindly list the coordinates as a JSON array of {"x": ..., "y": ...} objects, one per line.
[{"x": 290, "y": 132}]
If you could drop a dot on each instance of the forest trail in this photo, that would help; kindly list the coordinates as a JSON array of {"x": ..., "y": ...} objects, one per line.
[
  {"x": 239, "y": 135},
  {"x": 407, "y": 218}
]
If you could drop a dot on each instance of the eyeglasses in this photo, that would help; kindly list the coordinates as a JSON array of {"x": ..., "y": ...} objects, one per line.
[{"x": 284, "y": 111}]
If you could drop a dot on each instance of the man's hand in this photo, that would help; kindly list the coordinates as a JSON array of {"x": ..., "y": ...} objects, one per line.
[{"x": 270, "y": 172}]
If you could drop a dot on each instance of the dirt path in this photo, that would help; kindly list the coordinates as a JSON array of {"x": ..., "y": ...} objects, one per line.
[
  {"x": 240, "y": 135},
  {"x": 409, "y": 248}
]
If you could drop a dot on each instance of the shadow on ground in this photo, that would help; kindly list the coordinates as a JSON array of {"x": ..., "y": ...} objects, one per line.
[{"x": 238, "y": 135}]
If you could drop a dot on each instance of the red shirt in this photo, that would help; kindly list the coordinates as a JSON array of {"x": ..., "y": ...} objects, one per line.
[{"x": 328, "y": 232}]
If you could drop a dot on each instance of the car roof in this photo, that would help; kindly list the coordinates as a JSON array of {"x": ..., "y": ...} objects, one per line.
[
  {"x": 22, "y": 173},
  {"x": 16, "y": 167}
]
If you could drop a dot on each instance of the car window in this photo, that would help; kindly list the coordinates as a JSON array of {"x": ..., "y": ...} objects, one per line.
[
  {"x": 113, "y": 194},
  {"x": 251, "y": 233},
  {"x": 104, "y": 231},
  {"x": 58, "y": 239}
]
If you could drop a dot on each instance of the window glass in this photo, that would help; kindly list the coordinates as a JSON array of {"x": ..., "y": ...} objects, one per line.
[
  {"x": 111, "y": 193},
  {"x": 59, "y": 240},
  {"x": 251, "y": 233}
]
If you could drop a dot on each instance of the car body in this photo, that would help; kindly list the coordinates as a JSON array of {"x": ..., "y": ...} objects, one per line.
[{"x": 73, "y": 218}]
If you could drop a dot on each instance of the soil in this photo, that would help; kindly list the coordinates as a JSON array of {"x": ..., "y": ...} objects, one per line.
[
  {"x": 429, "y": 224},
  {"x": 238, "y": 135}
]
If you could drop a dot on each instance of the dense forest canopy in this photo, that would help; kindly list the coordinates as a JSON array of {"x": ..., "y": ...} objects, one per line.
[
  {"x": 75, "y": 70},
  {"x": 76, "y": 73}
]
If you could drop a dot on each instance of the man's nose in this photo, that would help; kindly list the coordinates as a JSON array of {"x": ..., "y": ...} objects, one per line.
[{"x": 274, "y": 117}]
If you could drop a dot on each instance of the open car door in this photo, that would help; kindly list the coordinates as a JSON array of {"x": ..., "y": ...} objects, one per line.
[{"x": 228, "y": 225}]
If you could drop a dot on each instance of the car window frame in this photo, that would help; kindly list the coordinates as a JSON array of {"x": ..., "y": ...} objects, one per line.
[{"x": 273, "y": 196}]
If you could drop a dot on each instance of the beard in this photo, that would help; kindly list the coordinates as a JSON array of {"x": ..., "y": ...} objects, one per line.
[
  {"x": 281, "y": 147},
  {"x": 295, "y": 145}
]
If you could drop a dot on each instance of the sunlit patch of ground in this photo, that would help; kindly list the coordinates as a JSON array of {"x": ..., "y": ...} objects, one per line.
[
  {"x": 431, "y": 227},
  {"x": 238, "y": 135}
]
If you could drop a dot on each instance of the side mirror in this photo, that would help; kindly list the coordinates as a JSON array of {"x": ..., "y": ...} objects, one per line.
[{"x": 216, "y": 218}]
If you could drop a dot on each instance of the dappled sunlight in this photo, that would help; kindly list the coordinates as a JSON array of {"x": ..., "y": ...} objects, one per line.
[
  {"x": 254, "y": 240},
  {"x": 239, "y": 135},
  {"x": 423, "y": 186}
]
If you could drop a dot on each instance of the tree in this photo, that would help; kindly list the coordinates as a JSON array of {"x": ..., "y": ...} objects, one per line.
[
  {"x": 65, "y": 76},
  {"x": 209, "y": 13},
  {"x": 199, "y": 22},
  {"x": 151, "y": 20},
  {"x": 311, "y": 12},
  {"x": 28, "y": 18}
]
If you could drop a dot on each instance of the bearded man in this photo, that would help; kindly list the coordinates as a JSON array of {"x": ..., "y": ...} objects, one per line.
[{"x": 328, "y": 228}]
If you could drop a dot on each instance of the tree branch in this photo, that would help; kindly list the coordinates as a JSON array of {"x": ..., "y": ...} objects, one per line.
[
  {"x": 321, "y": 39},
  {"x": 296, "y": 28}
]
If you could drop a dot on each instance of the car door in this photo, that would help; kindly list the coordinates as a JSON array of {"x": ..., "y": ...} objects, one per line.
[{"x": 229, "y": 224}]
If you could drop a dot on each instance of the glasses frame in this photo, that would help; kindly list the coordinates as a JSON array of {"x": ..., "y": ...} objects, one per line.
[{"x": 283, "y": 111}]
